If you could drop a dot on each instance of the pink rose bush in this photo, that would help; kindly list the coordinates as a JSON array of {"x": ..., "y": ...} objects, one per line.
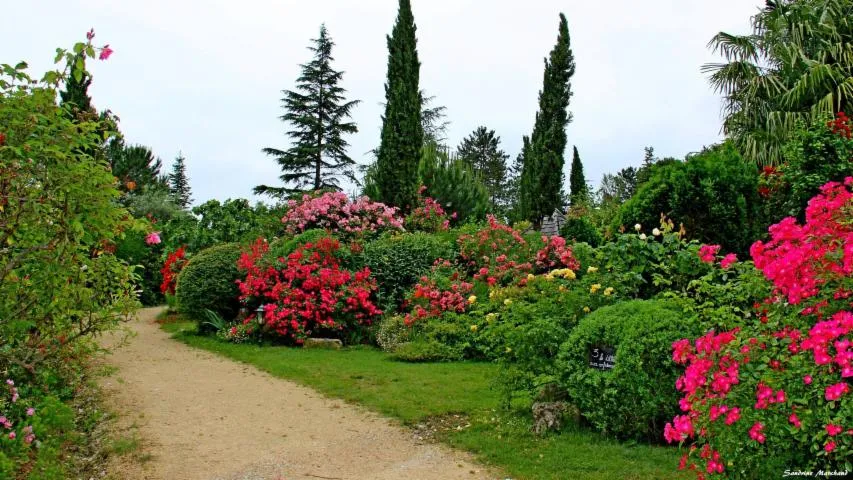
[
  {"x": 787, "y": 372},
  {"x": 333, "y": 211}
]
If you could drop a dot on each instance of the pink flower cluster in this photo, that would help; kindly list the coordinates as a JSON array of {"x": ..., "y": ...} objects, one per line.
[
  {"x": 556, "y": 254},
  {"x": 333, "y": 211},
  {"x": 799, "y": 259}
]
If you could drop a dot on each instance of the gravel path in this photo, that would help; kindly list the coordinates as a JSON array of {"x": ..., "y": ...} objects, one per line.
[{"x": 199, "y": 416}]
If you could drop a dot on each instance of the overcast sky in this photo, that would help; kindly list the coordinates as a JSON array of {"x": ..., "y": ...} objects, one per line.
[{"x": 205, "y": 76}]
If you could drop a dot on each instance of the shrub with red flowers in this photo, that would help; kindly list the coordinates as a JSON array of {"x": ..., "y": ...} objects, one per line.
[
  {"x": 555, "y": 254},
  {"x": 444, "y": 290},
  {"x": 776, "y": 394},
  {"x": 173, "y": 265},
  {"x": 333, "y": 211},
  {"x": 496, "y": 254},
  {"x": 429, "y": 216},
  {"x": 310, "y": 293}
]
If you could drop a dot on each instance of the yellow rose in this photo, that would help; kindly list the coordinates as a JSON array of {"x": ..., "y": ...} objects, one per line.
[
  {"x": 591, "y": 269},
  {"x": 594, "y": 288},
  {"x": 585, "y": 309},
  {"x": 472, "y": 299},
  {"x": 608, "y": 291},
  {"x": 474, "y": 328}
]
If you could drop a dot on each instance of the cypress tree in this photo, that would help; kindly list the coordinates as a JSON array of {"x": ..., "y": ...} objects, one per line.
[
  {"x": 481, "y": 150},
  {"x": 542, "y": 176},
  {"x": 179, "y": 183},
  {"x": 318, "y": 114},
  {"x": 579, "y": 190},
  {"x": 402, "y": 131}
]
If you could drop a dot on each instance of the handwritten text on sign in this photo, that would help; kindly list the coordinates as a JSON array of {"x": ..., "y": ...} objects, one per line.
[{"x": 602, "y": 357}]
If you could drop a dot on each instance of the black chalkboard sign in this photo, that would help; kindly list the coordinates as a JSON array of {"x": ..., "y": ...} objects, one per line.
[{"x": 602, "y": 357}]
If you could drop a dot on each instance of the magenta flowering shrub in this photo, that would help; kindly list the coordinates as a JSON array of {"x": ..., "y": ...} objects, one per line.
[
  {"x": 775, "y": 394},
  {"x": 333, "y": 211}
]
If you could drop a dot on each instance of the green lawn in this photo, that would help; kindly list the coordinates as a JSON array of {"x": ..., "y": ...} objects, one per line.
[{"x": 418, "y": 393}]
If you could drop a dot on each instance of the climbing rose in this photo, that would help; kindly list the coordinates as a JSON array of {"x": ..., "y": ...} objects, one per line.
[{"x": 105, "y": 53}]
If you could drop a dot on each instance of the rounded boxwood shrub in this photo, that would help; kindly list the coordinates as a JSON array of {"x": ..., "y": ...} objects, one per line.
[
  {"x": 398, "y": 261},
  {"x": 637, "y": 396},
  {"x": 208, "y": 282}
]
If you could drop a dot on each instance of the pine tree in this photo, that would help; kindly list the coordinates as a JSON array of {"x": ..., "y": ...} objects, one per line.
[
  {"x": 542, "y": 176},
  {"x": 399, "y": 153},
  {"x": 179, "y": 183},
  {"x": 481, "y": 150},
  {"x": 579, "y": 190},
  {"x": 318, "y": 113}
]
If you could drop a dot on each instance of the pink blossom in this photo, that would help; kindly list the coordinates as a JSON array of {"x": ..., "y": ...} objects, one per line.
[
  {"x": 833, "y": 430},
  {"x": 153, "y": 238},
  {"x": 106, "y": 51},
  {"x": 835, "y": 392}
]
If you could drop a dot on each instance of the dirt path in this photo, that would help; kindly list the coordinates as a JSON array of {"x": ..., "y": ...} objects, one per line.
[{"x": 199, "y": 416}]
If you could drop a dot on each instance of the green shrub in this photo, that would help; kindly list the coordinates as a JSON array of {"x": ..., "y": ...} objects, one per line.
[
  {"x": 638, "y": 396},
  {"x": 714, "y": 194},
  {"x": 398, "y": 261},
  {"x": 208, "y": 282},
  {"x": 425, "y": 351},
  {"x": 581, "y": 230}
]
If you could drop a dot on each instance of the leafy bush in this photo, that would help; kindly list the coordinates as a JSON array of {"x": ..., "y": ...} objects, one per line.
[
  {"x": 817, "y": 154},
  {"x": 398, "y": 261},
  {"x": 581, "y": 230},
  {"x": 775, "y": 393},
  {"x": 208, "y": 282},
  {"x": 311, "y": 293},
  {"x": 632, "y": 400},
  {"x": 425, "y": 351},
  {"x": 714, "y": 194}
]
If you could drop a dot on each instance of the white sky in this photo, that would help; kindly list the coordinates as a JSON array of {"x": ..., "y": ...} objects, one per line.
[{"x": 204, "y": 77}]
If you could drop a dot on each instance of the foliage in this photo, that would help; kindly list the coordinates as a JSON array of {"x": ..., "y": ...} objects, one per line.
[
  {"x": 179, "y": 183},
  {"x": 641, "y": 331},
  {"x": 819, "y": 153},
  {"x": 59, "y": 284},
  {"x": 481, "y": 151},
  {"x": 795, "y": 65},
  {"x": 398, "y": 261},
  {"x": 317, "y": 112},
  {"x": 310, "y": 294},
  {"x": 774, "y": 393},
  {"x": 578, "y": 189},
  {"x": 542, "y": 175},
  {"x": 208, "y": 282},
  {"x": 334, "y": 212},
  {"x": 580, "y": 229},
  {"x": 402, "y": 132},
  {"x": 713, "y": 194},
  {"x": 451, "y": 182}
]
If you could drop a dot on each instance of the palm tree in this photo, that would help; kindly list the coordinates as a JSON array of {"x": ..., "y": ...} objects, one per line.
[{"x": 796, "y": 65}]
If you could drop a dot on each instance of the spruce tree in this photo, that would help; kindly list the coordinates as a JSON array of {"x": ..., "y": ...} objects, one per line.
[
  {"x": 318, "y": 113},
  {"x": 481, "y": 150},
  {"x": 396, "y": 173},
  {"x": 542, "y": 176},
  {"x": 579, "y": 190},
  {"x": 179, "y": 183}
]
